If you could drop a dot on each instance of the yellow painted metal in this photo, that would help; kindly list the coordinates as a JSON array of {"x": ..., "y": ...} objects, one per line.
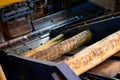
[
  {"x": 8, "y": 2},
  {"x": 2, "y": 75}
]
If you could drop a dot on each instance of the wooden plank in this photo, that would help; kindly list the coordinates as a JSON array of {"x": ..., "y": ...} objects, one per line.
[
  {"x": 109, "y": 68},
  {"x": 18, "y": 27},
  {"x": 2, "y": 75},
  {"x": 94, "y": 54}
]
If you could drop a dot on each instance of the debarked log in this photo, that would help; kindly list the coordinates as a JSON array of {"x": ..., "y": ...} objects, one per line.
[
  {"x": 46, "y": 45},
  {"x": 64, "y": 47},
  {"x": 94, "y": 54}
]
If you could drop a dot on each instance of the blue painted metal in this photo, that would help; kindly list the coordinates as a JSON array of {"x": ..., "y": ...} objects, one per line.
[
  {"x": 104, "y": 28},
  {"x": 82, "y": 12},
  {"x": 18, "y": 68},
  {"x": 67, "y": 71},
  {"x": 14, "y": 14}
]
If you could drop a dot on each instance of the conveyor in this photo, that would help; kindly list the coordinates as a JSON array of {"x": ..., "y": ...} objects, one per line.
[
  {"x": 17, "y": 67},
  {"x": 82, "y": 17}
]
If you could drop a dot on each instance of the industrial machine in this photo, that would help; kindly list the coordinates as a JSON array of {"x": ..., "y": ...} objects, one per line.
[{"x": 28, "y": 24}]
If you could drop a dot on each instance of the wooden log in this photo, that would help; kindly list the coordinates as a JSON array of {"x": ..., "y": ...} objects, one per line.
[
  {"x": 94, "y": 54},
  {"x": 46, "y": 45},
  {"x": 2, "y": 75},
  {"x": 64, "y": 47}
]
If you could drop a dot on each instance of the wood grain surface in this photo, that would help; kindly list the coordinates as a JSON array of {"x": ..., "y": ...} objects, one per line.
[
  {"x": 64, "y": 47},
  {"x": 94, "y": 54}
]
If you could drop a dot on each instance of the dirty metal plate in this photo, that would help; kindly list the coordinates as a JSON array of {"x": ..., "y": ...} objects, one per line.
[{"x": 27, "y": 45}]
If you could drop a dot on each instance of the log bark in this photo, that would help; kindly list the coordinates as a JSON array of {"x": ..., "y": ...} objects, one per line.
[
  {"x": 48, "y": 44},
  {"x": 94, "y": 54},
  {"x": 64, "y": 47}
]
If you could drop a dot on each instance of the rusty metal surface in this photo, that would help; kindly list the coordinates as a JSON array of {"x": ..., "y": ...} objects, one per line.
[{"x": 19, "y": 27}]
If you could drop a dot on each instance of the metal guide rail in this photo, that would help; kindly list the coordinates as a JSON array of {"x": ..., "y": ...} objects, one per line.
[
  {"x": 59, "y": 30},
  {"x": 64, "y": 18},
  {"x": 17, "y": 67},
  {"x": 45, "y": 24}
]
